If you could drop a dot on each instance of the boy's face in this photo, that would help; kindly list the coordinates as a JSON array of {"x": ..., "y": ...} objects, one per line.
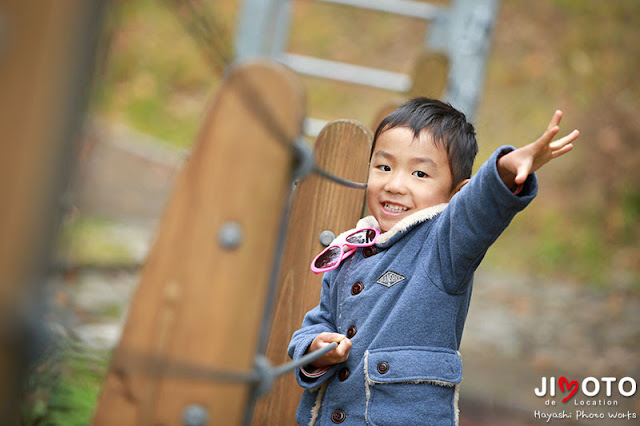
[{"x": 406, "y": 175}]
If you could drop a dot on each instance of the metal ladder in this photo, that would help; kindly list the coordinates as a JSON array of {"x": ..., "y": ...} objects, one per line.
[{"x": 461, "y": 31}]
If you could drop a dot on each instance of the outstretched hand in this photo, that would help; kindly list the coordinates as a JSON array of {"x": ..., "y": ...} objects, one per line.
[{"x": 515, "y": 166}]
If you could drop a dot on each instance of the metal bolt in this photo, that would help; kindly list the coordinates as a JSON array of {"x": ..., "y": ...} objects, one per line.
[
  {"x": 327, "y": 237},
  {"x": 195, "y": 415},
  {"x": 230, "y": 235}
]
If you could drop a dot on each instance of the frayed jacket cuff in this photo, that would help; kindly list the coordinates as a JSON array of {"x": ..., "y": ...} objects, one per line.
[
  {"x": 313, "y": 373},
  {"x": 309, "y": 378}
]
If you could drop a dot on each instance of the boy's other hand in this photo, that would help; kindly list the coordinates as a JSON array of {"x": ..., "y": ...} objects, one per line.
[
  {"x": 338, "y": 355},
  {"x": 515, "y": 166}
]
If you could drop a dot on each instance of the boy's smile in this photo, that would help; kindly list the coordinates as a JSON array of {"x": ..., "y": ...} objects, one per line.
[{"x": 406, "y": 174}]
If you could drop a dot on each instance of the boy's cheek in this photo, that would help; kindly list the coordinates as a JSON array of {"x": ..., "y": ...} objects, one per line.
[{"x": 369, "y": 196}]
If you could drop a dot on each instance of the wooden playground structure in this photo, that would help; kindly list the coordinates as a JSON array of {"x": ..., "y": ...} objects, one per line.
[
  {"x": 210, "y": 313},
  {"x": 227, "y": 281}
]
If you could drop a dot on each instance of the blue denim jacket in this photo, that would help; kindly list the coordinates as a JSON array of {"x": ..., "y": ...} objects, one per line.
[{"x": 405, "y": 304}]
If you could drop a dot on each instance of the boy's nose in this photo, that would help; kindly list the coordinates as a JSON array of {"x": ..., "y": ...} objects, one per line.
[{"x": 396, "y": 184}]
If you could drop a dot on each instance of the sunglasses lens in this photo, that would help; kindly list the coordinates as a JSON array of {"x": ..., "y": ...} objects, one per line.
[
  {"x": 329, "y": 258},
  {"x": 366, "y": 236}
]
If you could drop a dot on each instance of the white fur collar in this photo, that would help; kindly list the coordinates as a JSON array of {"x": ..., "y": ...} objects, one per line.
[{"x": 400, "y": 227}]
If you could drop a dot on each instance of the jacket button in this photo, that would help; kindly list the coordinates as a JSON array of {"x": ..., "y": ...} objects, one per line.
[
  {"x": 357, "y": 288},
  {"x": 369, "y": 251},
  {"x": 351, "y": 331},
  {"x": 338, "y": 416},
  {"x": 343, "y": 374},
  {"x": 383, "y": 367}
]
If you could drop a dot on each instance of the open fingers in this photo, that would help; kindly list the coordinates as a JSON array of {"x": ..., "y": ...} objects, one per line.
[
  {"x": 552, "y": 129},
  {"x": 563, "y": 145},
  {"x": 564, "y": 141},
  {"x": 561, "y": 151},
  {"x": 548, "y": 135},
  {"x": 555, "y": 120}
]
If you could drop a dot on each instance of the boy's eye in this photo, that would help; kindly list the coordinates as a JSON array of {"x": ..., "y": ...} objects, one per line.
[
  {"x": 384, "y": 168},
  {"x": 420, "y": 174}
]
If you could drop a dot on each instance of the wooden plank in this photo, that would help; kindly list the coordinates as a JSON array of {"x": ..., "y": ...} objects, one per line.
[
  {"x": 41, "y": 52},
  {"x": 198, "y": 303},
  {"x": 342, "y": 148}
]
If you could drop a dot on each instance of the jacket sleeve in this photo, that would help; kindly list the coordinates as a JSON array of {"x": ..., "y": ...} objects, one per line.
[
  {"x": 316, "y": 321},
  {"x": 472, "y": 221}
]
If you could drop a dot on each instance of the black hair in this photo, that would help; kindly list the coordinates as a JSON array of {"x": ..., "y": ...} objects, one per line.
[{"x": 447, "y": 126}]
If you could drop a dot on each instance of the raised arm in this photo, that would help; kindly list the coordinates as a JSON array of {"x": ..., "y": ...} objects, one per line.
[
  {"x": 483, "y": 208},
  {"x": 515, "y": 166}
]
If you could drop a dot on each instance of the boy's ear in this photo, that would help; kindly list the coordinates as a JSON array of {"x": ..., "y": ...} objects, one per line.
[{"x": 458, "y": 187}]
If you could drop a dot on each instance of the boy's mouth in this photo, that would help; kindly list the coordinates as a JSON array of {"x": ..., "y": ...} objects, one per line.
[{"x": 394, "y": 208}]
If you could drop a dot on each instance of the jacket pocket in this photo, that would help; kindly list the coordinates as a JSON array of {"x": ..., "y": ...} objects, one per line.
[{"x": 412, "y": 385}]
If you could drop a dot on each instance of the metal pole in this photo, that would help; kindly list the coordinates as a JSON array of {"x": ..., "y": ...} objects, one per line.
[
  {"x": 464, "y": 33},
  {"x": 263, "y": 27}
]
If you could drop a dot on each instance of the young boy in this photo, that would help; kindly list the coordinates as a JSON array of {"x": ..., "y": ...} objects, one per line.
[{"x": 397, "y": 308}]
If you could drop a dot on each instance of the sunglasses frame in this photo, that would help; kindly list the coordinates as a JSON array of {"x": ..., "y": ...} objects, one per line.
[{"x": 344, "y": 253}]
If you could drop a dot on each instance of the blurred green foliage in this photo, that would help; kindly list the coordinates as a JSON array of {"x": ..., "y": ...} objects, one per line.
[
  {"x": 63, "y": 386},
  {"x": 152, "y": 75},
  {"x": 95, "y": 241}
]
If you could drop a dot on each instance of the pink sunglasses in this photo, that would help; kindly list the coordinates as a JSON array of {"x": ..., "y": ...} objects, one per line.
[{"x": 331, "y": 257}]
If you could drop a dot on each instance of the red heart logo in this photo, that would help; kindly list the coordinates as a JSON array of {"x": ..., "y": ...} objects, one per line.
[{"x": 572, "y": 387}]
